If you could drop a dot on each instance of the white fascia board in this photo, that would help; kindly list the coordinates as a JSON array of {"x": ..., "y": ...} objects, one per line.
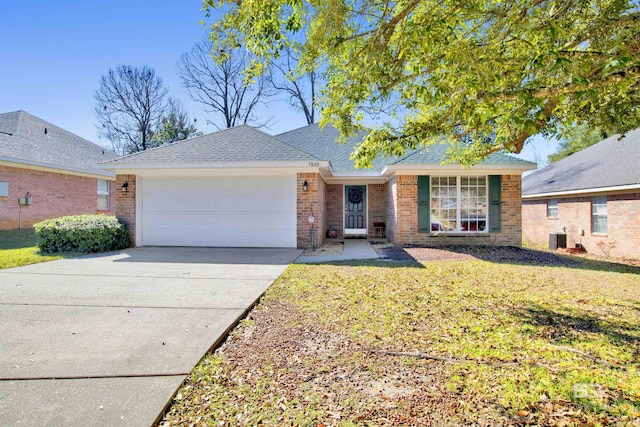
[
  {"x": 298, "y": 164},
  {"x": 447, "y": 169},
  {"x": 237, "y": 171},
  {"x": 357, "y": 180},
  {"x": 47, "y": 167},
  {"x": 356, "y": 174},
  {"x": 595, "y": 190}
]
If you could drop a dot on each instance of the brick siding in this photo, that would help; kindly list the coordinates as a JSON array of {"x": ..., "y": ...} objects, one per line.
[
  {"x": 377, "y": 206},
  {"x": 310, "y": 202},
  {"x": 574, "y": 214},
  {"x": 395, "y": 203},
  {"x": 335, "y": 208},
  {"x": 402, "y": 216},
  {"x": 391, "y": 219},
  {"x": 53, "y": 195},
  {"x": 126, "y": 204}
]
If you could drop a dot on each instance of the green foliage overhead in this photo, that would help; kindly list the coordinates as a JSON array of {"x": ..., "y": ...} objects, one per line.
[
  {"x": 574, "y": 139},
  {"x": 483, "y": 75},
  {"x": 82, "y": 233},
  {"x": 174, "y": 126}
]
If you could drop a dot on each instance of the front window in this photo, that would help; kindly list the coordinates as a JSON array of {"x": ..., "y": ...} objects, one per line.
[
  {"x": 103, "y": 195},
  {"x": 552, "y": 208},
  {"x": 599, "y": 215},
  {"x": 459, "y": 204}
]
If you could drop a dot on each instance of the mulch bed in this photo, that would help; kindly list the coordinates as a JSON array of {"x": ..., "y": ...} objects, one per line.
[{"x": 507, "y": 254}]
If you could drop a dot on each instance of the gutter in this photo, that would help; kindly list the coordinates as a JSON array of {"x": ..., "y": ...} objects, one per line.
[
  {"x": 421, "y": 169},
  {"x": 48, "y": 167},
  {"x": 582, "y": 191}
]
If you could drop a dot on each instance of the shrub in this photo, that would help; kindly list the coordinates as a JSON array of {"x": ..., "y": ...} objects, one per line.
[{"x": 82, "y": 233}]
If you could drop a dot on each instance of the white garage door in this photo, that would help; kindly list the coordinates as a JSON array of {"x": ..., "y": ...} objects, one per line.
[{"x": 219, "y": 211}]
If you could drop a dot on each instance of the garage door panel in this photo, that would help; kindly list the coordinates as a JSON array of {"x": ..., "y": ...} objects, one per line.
[
  {"x": 219, "y": 211},
  {"x": 243, "y": 239}
]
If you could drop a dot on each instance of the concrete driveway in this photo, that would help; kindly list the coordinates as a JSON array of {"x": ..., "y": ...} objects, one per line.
[{"x": 107, "y": 339}]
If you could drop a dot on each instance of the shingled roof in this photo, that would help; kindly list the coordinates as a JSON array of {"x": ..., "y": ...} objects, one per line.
[
  {"x": 612, "y": 162},
  {"x": 322, "y": 143},
  {"x": 309, "y": 143},
  {"x": 238, "y": 144},
  {"x": 26, "y": 139}
]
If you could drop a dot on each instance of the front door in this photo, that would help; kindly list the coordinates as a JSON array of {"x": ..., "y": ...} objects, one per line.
[{"x": 355, "y": 209}]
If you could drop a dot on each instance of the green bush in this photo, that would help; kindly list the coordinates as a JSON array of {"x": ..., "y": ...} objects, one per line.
[{"x": 82, "y": 233}]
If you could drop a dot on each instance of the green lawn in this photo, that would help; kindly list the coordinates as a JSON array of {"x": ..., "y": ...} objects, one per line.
[
  {"x": 498, "y": 344},
  {"x": 18, "y": 247}
]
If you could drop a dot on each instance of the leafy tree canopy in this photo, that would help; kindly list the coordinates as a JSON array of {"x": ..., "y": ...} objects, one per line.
[
  {"x": 484, "y": 75},
  {"x": 174, "y": 126},
  {"x": 574, "y": 139}
]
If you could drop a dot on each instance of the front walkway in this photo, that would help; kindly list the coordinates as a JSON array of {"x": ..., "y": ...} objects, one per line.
[{"x": 354, "y": 249}]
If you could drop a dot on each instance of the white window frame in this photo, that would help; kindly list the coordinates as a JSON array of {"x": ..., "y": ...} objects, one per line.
[
  {"x": 459, "y": 207},
  {"x": 551, "y": 202},
  {"x": 101, "y": 192},
  {"x": 596, "y": 203}
]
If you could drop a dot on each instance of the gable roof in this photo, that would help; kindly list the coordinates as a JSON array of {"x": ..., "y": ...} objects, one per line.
[
  {"x": 436, "y": 154},
  {"x": 238, "y": 144},
  {"x": 323, "y": 144},
  {"x": 613, "y": 162},
  {"x": 245, "y": 144},
  {"x": 29, "y": 140}
]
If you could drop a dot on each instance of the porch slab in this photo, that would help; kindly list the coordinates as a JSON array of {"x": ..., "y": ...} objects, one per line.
[{"x": 354, "y": 249}]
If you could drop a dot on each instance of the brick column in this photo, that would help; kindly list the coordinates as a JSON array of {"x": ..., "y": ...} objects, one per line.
[
  {"x": 308, "y": 202},
  {"x": 126, "y": 204}
]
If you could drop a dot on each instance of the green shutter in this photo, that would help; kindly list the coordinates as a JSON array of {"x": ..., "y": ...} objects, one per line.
[
  {"x": 424, "y": 202},
  {"x": 495, "y": 203}
]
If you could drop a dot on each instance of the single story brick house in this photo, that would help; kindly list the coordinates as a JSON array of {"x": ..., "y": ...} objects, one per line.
[
  {"x": 241, "y": 187},
  {"x": 592, "y": 195},
  {"x": 47, "y": 172}
]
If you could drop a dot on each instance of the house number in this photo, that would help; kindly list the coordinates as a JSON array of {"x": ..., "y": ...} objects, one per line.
[{"x": 314, "y": 164}]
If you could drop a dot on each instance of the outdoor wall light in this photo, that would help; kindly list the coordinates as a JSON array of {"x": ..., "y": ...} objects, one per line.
[
  {"x": 305, "y": 186},
  {"x": 124, "y": 187}
]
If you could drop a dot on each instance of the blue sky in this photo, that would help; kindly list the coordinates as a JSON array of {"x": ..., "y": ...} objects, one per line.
[{"x": 52, "y": 55}]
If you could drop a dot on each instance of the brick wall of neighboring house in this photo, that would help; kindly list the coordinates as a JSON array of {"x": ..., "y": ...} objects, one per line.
[
  {"x": 310, "y": 202},
  {"x": 126, "y": 204},
  {"x": 402, "y": 214},
  {"x": 335, "y": 207},
  {"x": 574, "y": 213},
  {"x": 377, "y": 206},
  {"x": 52, "y": 194}
]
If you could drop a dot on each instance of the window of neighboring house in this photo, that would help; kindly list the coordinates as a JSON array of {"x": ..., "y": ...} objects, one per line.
[
  {"x": 599, "y": 214},
  {"x": 103, "y": 195},
  {"x": 552, "y": 208},
  {"x": 459, "y": 204}
]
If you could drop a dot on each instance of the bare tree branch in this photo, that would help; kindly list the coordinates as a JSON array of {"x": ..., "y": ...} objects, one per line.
[
  {"x": 220, "y": 85},
  {"x": 131, "y": 102},
  {"x": 300, "y": 90}
]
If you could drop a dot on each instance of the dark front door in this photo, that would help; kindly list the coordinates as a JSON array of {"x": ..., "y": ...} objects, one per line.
[{"x": 355, "y": 209}]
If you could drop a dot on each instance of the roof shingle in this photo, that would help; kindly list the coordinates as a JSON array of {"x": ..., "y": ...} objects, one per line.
[
  {"x": 238, "y": 144},
  {"x": 322, "y": 143},
  {"x": 23, "y": 139},
  {"x": 609, "y": 163}
]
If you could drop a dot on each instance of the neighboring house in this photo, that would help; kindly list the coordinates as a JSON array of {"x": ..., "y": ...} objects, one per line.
[
  {"x": 592, "y": 195},
  {"x": 57, "y": 169},
  {"x": 243, "y": 188}
]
